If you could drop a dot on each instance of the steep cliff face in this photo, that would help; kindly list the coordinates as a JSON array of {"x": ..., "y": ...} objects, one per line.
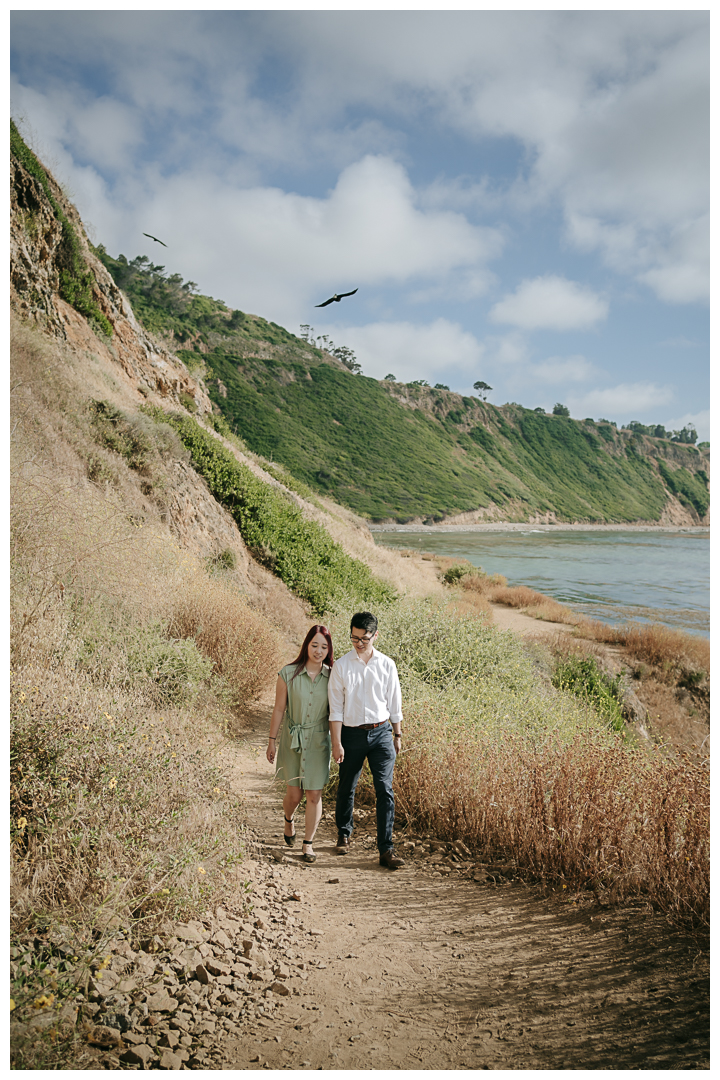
[{"x": 36, "y": 258}]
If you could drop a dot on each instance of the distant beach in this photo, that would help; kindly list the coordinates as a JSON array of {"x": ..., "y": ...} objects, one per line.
[{"x": 529, "y": 526}]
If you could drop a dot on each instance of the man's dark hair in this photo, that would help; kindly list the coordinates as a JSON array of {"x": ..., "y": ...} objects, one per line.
[{"x": 363, "y": 620}]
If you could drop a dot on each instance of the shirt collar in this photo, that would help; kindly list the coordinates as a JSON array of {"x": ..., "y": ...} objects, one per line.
[
  {"x": 324, "y": 670},
  {"x": 360, "y": 661}
]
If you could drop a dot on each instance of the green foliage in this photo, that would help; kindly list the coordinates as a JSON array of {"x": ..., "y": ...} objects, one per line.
[
  {"x": 166, "y": 304},
  {"x": 583, "y": 678},
  {"x": 223, "y": 560},
  {"x": 140, "y": 440},
  {"x": 655, "y": 431},
  {"x": 171, "y": 670},
  {"x": 560, "y": 410},
  {"x": 300, "y": 552},
  {"x": 690, "y": 488},
  {"x": 76, "y": 279},
  {"x": 460, "y": 676},
  {"x": 703, "y": 446},
  {"x": 688, "y": 434},
  {"x": 454, "y": 573}
]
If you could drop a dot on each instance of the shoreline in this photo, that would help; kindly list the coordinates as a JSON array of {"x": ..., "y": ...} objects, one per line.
[{"x": 531, "y": 526}]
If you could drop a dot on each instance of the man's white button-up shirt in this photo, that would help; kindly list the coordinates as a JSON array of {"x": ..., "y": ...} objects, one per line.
[{"x": 360, "y": 693}]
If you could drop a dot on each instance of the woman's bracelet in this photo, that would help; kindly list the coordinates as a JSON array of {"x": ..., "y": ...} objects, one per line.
[{"x": 272, "y": 738}]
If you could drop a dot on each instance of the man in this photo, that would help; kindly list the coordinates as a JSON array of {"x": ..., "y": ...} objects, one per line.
[{"x": 364, "y": 694}]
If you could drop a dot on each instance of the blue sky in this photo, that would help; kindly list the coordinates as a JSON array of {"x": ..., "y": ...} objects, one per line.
[{"x": 520, "y": 197}]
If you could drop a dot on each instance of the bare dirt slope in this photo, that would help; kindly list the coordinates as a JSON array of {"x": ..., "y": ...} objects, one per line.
[{"x": 424, "y": 969}]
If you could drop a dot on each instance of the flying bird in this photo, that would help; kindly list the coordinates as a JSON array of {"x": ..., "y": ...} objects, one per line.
[
  {"x": 338, "y": 297},
  {"x": 154, "y": 238}
]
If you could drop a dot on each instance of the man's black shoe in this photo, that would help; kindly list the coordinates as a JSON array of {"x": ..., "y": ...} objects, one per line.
[
  {"x": 343, "y": 844},
  {"x": 391, "y": 860}
]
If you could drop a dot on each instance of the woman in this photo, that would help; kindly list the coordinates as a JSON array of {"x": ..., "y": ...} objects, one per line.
[{"x": 303, "y": 747}]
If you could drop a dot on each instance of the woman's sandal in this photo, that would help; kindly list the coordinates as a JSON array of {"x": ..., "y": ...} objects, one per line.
[
  {"x": 308, "y": 856},
  {"x": 289, "y": 840}
]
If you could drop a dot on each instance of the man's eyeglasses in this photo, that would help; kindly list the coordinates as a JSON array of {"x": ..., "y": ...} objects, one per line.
[{"x": 362, "y": 640}]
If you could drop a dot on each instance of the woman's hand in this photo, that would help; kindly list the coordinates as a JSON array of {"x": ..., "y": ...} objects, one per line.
[{"x": 270, "y": 752}]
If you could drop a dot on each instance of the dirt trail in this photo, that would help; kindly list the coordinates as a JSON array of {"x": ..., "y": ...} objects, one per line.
[{"x": 420, "y": 969}]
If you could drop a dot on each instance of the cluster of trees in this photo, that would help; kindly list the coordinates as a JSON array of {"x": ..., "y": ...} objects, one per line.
[
  {"x": 140, "y": 277},
  {"x": 687, "y": 435},
  {"x": 340, "y": 352}
]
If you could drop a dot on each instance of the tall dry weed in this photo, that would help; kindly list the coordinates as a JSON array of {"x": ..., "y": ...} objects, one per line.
[
  {"x": 245, "y": 648},
  {"x": 584, "y": 814}
]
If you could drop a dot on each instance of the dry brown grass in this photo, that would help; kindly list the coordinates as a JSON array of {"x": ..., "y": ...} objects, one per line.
[
  {"x": 246, "y": 650},
  {"x": 580, "y": 815},
  {"x": 120, "y": 815},
  {"x": 654, "y": 643},
  {"x": 472, "y": 604},
  {"x": 116, "y": 800}
]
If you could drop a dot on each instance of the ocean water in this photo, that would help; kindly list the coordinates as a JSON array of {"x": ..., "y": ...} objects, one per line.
[{"x": 614, "y": 576}]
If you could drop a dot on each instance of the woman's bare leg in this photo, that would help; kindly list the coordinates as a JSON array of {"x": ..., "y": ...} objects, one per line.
[
  {"x": 293, "y": 795},
  {"x": 313, "y": 813}
]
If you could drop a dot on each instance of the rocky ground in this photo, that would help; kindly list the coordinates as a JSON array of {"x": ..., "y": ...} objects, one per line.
[{"x": 444, "y": 964}]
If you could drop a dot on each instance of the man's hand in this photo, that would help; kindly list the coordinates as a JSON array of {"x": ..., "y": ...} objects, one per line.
[{"x": 336, "y": 739}]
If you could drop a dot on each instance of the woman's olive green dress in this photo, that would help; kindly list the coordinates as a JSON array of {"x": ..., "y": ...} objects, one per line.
[{"x": 304, "y": 746}]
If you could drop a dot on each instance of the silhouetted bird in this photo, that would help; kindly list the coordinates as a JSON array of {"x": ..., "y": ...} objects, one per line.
[
  {"x": 338, "y": 297},
  {"x": 154, "y": 238}
]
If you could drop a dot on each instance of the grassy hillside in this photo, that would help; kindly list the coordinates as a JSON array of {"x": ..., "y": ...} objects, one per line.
[{"x": 397, "y": 452}]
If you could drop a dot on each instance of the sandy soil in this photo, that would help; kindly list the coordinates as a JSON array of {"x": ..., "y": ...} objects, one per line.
[
  {"x": 507, "y": 618},
  {"x": 422, "y": 968}
]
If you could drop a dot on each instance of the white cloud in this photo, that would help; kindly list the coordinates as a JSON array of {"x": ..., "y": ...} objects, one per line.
[
  {"x": 562, "y": 369},
  {"x": 608, "y": 109},
  {"x": 550, "y": 303},
  {"x": 508, "y": 350},
  {"x": 411, "y": 351},
  {"x": 624, "y": 402},
  {"x": 279, "y": 253}
]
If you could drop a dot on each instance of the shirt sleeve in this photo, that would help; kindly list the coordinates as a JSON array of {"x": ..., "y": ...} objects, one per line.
[
  {"x": 336, "y": 695},
  {"x": 394, "y": 698}
]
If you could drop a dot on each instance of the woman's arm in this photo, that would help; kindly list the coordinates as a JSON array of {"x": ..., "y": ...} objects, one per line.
[{"x": 281, "y": 694}]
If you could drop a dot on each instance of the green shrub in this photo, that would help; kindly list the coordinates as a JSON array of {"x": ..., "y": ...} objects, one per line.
[
  {"x": 583, "y": 678},
  {"x": 131, "y": 654},
  {"x": 460, "y": 676},
  {"x": 453, "y": 574},
  {"x": 300, "y": 552},
  {"x": 224, "y": 560}
]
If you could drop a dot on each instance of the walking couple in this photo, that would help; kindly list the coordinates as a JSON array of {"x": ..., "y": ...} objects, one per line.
[{"x": 351, "y": 709}]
